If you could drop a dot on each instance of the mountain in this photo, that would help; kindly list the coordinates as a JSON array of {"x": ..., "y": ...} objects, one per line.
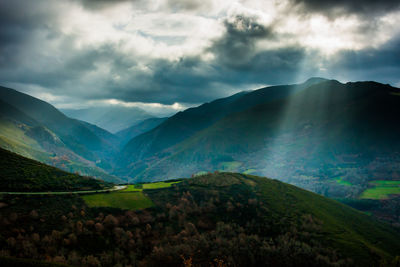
[
  {"x": 49, "y": 136},
  {"x": 186, "y": 123},
  {"x": 137, "y": 129},
  {"x": 228, "y": 219},
  {"x": 110, "y": 118},
  {"x": 112, "y": 139},
  {"x": 20, "y": 174},
  {"x": 332, "y": 138}
]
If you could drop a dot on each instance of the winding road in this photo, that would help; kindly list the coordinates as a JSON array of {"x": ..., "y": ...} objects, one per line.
[{"x": 115, "y": 188}]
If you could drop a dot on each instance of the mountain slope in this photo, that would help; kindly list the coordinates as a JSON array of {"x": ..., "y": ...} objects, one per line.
[
  {"x": 185, "y": 124},
  {"x": 110, "y": 118},
  {"x": 144, "y": 126},
  {"x": 318, "y": 138},
  {"x": 49, "y": 136},
  {"x": 270, "y": 208},
  {"x": 74, "y": 134},
  {"x": 228, "y": 219},
  {"x": 20, "y": 174}
]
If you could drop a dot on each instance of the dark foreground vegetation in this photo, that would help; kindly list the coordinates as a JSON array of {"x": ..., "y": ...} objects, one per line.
[
  {"x": 20, "y": 174},
  {"x": 220, "y": 219}
]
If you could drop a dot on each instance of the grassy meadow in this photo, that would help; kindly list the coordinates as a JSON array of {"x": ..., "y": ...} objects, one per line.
[
  {"x": 132, "y": 197},
  {"x": 381, "y": 190}
]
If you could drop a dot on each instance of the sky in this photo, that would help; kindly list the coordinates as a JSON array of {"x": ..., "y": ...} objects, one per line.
[{"x": 167, "y": 55}]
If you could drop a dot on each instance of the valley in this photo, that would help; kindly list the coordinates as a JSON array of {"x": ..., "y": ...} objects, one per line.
[
  {"x": 189, "y": 133},
  {"x": 273, "y": 131}
]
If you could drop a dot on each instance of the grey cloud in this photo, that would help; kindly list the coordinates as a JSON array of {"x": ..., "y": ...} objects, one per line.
[
  {"x": 100, "y": 4},
  {"x": 189, "y": 5},
  {"x": 337, "y": 7},
  {"x": 237, "y": 45},
  {"x": 20, "y": 23},
  {"x": 381, "y": 64},
  {"x": 239, "y": 63}
]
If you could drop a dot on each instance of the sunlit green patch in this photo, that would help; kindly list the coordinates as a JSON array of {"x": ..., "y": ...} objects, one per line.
[
  {"x": 159, "y": 185},
  {"x": 140, "y": 187},
  {"x": 131, "y": 200},
  {"x": 382, "y": 190},
  {"x": 132, "y": 188},
  {"x": 340, "y": 181},
  {"x": 385, "y": 183}
]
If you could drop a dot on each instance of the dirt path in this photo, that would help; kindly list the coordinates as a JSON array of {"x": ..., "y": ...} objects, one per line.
[{"x": 115, "y": 188}]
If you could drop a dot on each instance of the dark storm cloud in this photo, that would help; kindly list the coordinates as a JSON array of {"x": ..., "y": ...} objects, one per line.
[
  {"x": 381, "y": 64},
  {"x": 237, "y": 46},
  {"x": 237, "y": 63},
  {"x": 190, "y": 79},
  {"x": 337, "y": 7},
  {"x": 19, "y": 22},
  {"x": 100, "y": 4},
  {"x": 35, "y": 51}
]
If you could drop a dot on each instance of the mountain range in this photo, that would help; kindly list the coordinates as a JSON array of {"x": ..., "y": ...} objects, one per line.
[
  {"x": 338, "y": 140},
  {"x": 36, "y": 129},
  {"x": 328, "y": 137},
  {"x": 332, "y": 138},
  {"x": 111, "y": 118}
]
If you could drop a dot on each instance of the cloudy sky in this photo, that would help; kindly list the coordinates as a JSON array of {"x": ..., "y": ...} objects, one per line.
[{"x": 171, "y": 54}]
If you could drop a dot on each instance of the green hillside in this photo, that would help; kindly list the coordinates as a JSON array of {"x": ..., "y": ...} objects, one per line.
[
  {"x": 78, "y": 138},
  {"x": 19, "y": 174},
  {"x": 322, "y": 132},
  {"x": 49, "y": 136},
  {"x": 189, "y": 122},
  {"x": 222, "y": 218},
  {"x": 277, "y": 207},
  {"x": 112, "y": 118},
  {"x": 144, "y": 126}
]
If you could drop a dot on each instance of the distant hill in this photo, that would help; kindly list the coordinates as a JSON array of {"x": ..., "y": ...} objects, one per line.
[
  {"x": 20, "y": 174},
  {"x": 146, "y": 125},
  {"x": 328, "y": 137},
  {"x": 36, "y": 129},
  {"x": 110, "y": 118}
]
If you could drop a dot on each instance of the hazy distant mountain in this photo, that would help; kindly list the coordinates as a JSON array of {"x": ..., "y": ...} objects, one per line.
[
  {"x": 49, "y": 136},
  {"x": 319, "y": 137},
  {"x": 110, "y": 118},
  {"x": 137, "y": 129}
]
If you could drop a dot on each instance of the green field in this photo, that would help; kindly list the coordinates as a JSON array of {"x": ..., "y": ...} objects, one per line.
[
  {"x": 159, "y": 185},
  {"x": 156, "y": 185},
  {"x": 381, "y": 190},
  {"x": 131, "y": 200},
  {"x": 132, "y": 188}
]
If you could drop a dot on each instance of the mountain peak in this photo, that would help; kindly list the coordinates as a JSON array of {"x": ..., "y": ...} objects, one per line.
[{"x": 315, "y": 80}]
